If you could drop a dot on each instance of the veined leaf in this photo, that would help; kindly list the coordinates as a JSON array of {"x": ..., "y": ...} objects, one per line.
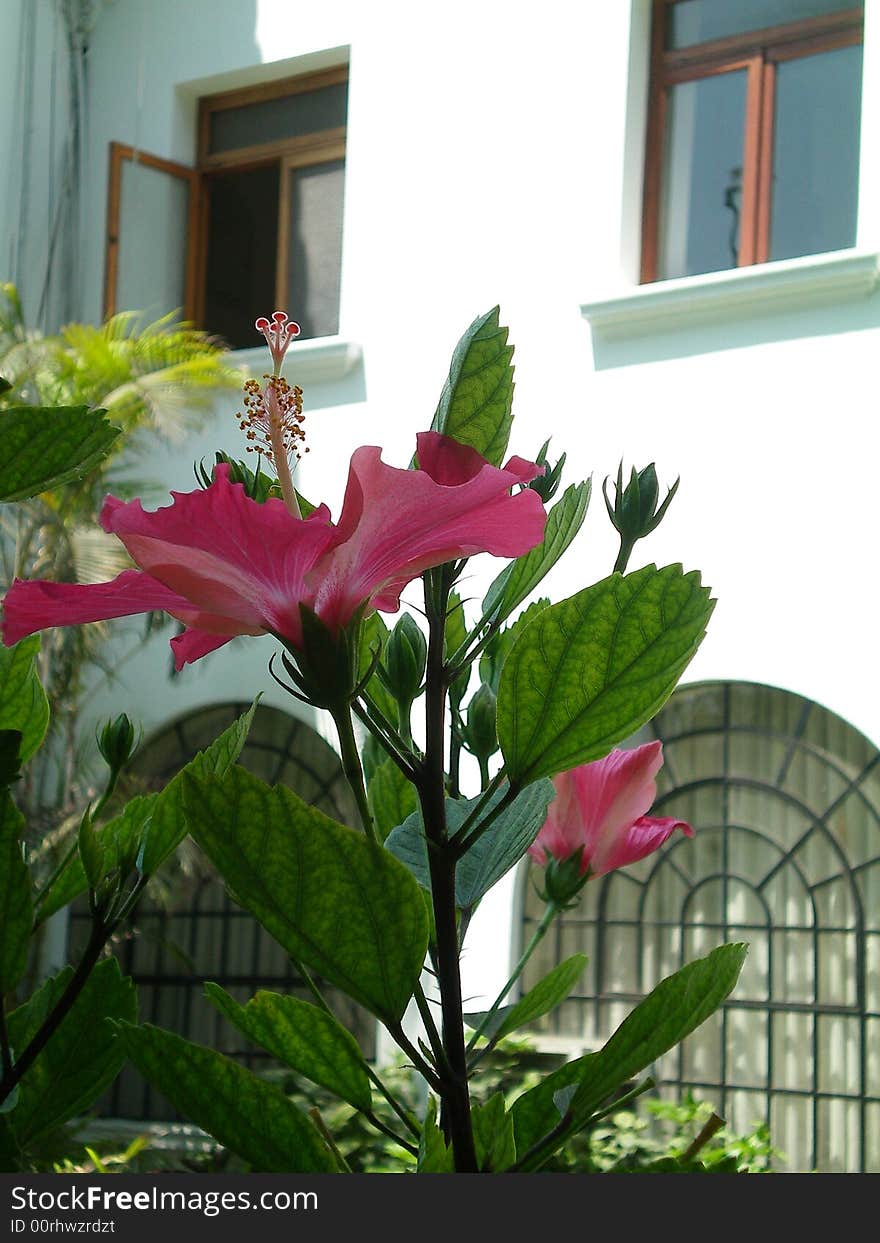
[
  {"x": 328, "y": 895},
  {"x": 475, "y": 405},
  {"x": 152, "y": 821},
  {"x": 589, "y": 671},
  {"x": 502, "y": 845},
  {"x": 493, "y": 1135},
  {"x": 391, "y": 797},
  {"x": 543, "y": 997},
  {"x": 308, "y": 1040},
  {"x": 80, "y": 1059},
  {"x": 23, "y": 702},
  {"x": 47, "y": 446},
  {"x": 677, "y": 1006},
  {"x": 245, "y": 1114},
  {"x": 521, "y": 577}
]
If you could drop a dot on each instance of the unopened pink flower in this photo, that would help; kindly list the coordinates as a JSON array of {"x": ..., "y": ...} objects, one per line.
[
  {"x": 600, "y": 809},
  {"x": 225, "y": 565}
]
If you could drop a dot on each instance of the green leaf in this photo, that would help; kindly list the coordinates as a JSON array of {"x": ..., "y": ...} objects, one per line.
[
  {"x": 16, "y": 907},
  {"x": 391, "y": 797},
  {"x": 545, "y": 995},
  {"x": 454, "y": 635},
  {"x": 150, "y": 826},
  {"x": 493, "y": 1135},
  {"x": 677, "y": 1006},
  {"x": 23, "y": 702},
  {"x": 502, "y": 845},
  {"x": 249, "y": 1116},
  {"x": 434, "y": 1155},
  {"x": 476, "y": 401},
  {"x": 329, "y": 896},
  {"x": 81, "y": 1058},
  {"x": 119, "y": 842},
  {"x": 47, "y": 446},
  {"x": 167, "y": 828},
  {"x": 496, "y": 650},
  {"x": 308, "y": 1040},
  {"x": 91, "y": 851},
  {"x": 591, "y": 670},
  {"x": 522, "y": 576}
]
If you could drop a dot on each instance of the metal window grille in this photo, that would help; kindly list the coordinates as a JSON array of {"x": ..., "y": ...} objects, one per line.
[
  {"x": 784, "y": 798},
  {"x": 187, "y": 930}
]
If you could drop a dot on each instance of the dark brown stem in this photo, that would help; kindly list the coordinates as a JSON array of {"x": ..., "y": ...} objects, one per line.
[
  {"x": 44, "y": 1034},
  {"x": 441, "y": 860}
]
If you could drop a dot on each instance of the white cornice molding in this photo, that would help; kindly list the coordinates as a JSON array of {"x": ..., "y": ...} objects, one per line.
[{"x": 769, "y": 288}]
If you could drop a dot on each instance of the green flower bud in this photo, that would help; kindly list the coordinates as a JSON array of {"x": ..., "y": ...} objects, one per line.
[
  {"x": 479, "y": 735},
  {"x": 634, "y": 512},
  {"x": 116, "y": 742},
  {"x": 405, "y": 659},
  {"x": 546, "y": 485},
  {"x": 564, "y": 879}
]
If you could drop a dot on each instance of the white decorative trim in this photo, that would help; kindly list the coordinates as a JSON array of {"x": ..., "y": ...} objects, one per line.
[
  {"x": 306, "y": 362},
  {"x": 767, "y": 288}
]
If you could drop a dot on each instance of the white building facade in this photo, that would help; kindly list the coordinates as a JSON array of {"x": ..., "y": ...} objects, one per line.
[{"x": 496, "y": 153}]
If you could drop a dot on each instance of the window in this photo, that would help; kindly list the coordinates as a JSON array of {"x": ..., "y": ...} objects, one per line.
[
  {"x": 753, "y": 133},
  {"x": 256, "y": 224}
]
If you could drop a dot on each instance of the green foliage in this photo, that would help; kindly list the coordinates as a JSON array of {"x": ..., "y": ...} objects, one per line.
[
  {"x": 538, "y": 1001},
  {"x": 391, "y": 797},
  {"x": 301, "y": 1036},
  {"x": 149, "y": 828},
  {"x": 475, "y": 405},
  {"x": 338, "y": 903},
  {"x": 23, "y": 703},
  {"x": 502, "y": 845},
  {"x": 44, "y": 447},
  {"x": 612, "y": 655},
  {"x": 81, "y": 1058},
  {"x": 493, "y": 1135},
  {"x": 669, "y": 1013},
  {"x": 244, "y": 1113},
  {"x": 522, "y": 576}
]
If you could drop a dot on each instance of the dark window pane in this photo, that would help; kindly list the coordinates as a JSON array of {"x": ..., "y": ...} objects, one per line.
[
  {"x": 816, "y": 153},
  {"x": 242, "y": 249},
  {"x": 702, "y": 171},
  {"x": 292, "y": 116},
  {"x": 315, "y": 259},
  {"x": 697, "y": 21}
]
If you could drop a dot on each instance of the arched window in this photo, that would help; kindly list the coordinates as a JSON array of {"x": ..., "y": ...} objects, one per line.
[
  {"x": 784, "y": 798},
  {"x": 187, "y": 930}
]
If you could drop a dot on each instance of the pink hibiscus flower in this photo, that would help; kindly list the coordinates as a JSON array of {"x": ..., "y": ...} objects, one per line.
[
  {"x": 600, "y": 809},
  {"x": 224, "y": 564}
]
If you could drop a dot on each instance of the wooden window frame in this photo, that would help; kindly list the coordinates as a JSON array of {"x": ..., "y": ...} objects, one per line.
[
  {"x": 119, "y": 154},
  {"x": 758, "y": 53},
  {"x": 320, "y": 147}
]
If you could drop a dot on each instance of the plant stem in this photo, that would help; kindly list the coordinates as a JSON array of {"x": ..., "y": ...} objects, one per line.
[
  {"x": 368, "y": 714},
  {"x": 91, "y": 954},
  {"x": 431, "y": 787},
  {"x": 550, "y": 913},
  {"x": 430, "y": 1026},
  {"x": 623, "y": 556},
  {"x": 351, "y": 766}
]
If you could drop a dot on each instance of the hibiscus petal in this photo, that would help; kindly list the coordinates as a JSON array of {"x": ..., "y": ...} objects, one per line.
[
  {"x": 226, "y": 553},
  {"x": 396, "y": 523},
  {"x": 193, "y": 644},
  {"x": 643, "y": 837},
  {"x": 38, "y": 605}
]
